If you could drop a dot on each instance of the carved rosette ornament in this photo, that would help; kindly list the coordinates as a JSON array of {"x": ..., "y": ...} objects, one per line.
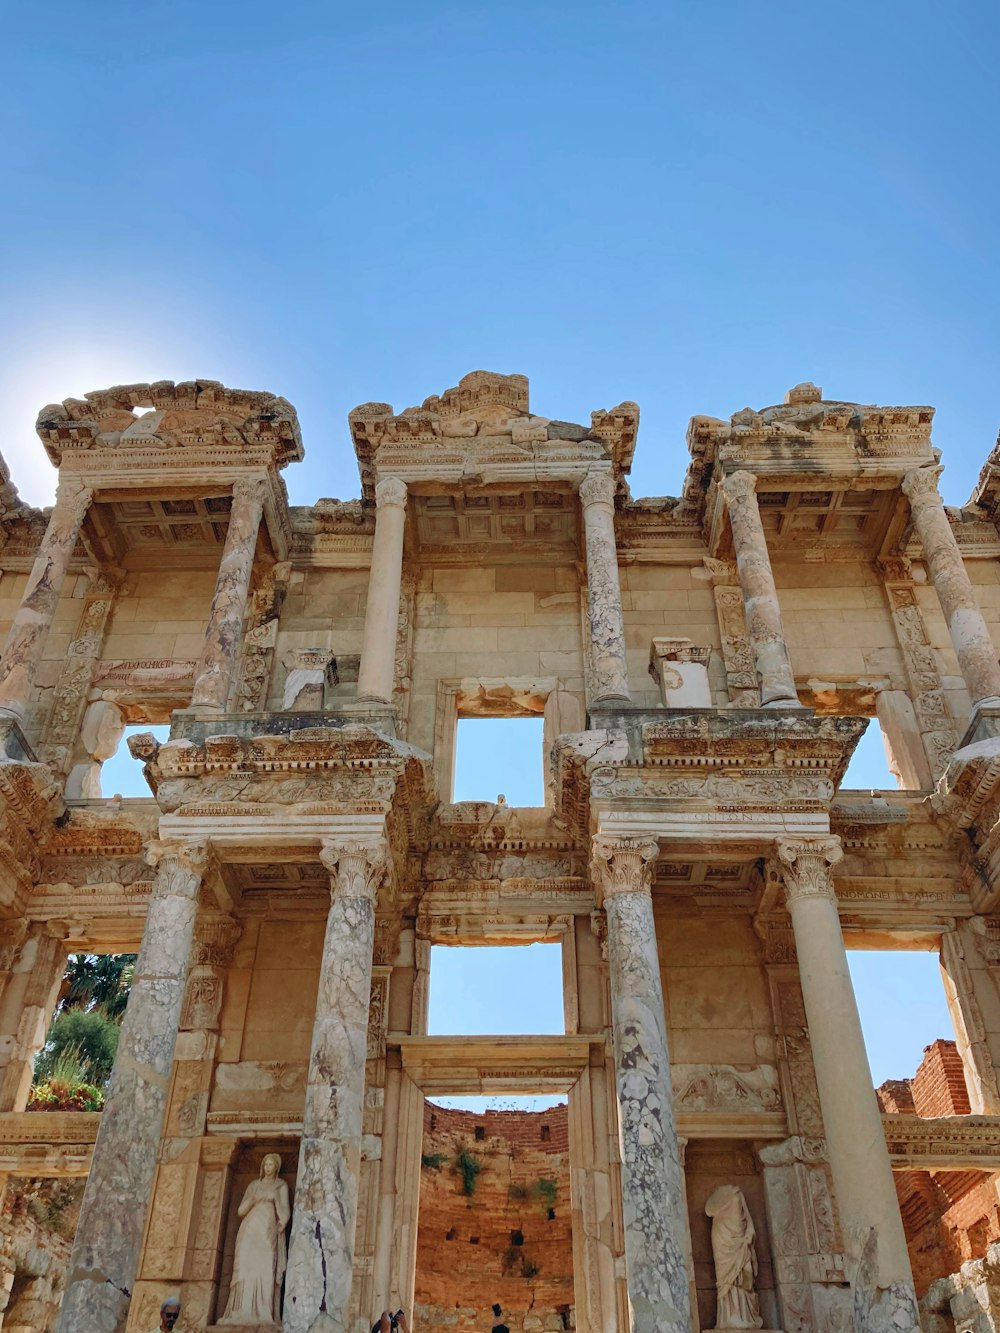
[{"x": 807, "y": 866}]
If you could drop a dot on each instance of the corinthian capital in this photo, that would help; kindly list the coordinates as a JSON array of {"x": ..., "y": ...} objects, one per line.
[
  {"x": 622, "y": 865},
  {"x": 356, "y": 868},
  {"x": 390, "y": 491},
  {"x": 73, "y": 496},
  {"x": 249, "y": 490},
  {"x": 597, "y": 488},
  {"x": 739, "y": 485},
  {"x": 180, "y": 866},
  {"x": 920, "y": 486},
  {"x": 807, "y": 867}
]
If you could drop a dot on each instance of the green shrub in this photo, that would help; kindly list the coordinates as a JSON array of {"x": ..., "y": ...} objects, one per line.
[
  {"x": 433, "y": 1160},
  {"x": 80, "y": 1043},
  {"x": 469, "y": 1167}
]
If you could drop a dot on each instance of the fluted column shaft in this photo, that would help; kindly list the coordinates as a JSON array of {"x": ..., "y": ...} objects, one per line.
[
  {"x": 214, "y": 672},
  {"x": 974, "y": 648},
  {"x": 105, "y": 1254},
  {"x": 321, "y": 1249},
  {"x": 859, "y": 1158},
  {"x": 608, "y": 661},
  {"x": 27, "y": 634},
  {"x": 378, "y": 647},
  {"x": 656, "y": 1240},
  {"x": 760, "y": 597}
]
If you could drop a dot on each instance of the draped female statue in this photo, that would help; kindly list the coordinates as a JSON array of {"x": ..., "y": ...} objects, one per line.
[
  {"x": 733, "y": 1236},
  {"x": 259, "y": 1261}
]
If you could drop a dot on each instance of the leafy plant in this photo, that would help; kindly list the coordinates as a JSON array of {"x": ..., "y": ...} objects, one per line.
[
  {"x": 97, "y": 981},
  {"x": 517, "y": 1192},
  {"x": 469, "y": 1167},
  {"x": 528, "y": 1269},
  {"x": 80, "y": 1044},
  {"x": 546, "y": 1189},
  {"x": 433, "y": 1160}
]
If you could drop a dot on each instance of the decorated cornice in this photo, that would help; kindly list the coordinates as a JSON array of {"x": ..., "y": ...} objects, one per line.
[
  {"x": 194, "y": 415},
  {"x": 313, "y": 771},
  {"x": 484, "y": 425}
]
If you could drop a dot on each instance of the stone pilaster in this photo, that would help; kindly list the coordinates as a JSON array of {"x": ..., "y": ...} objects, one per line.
[
  {"x": 106, "y": 1250},
  {"x": 214, "y": 672},
  {"x": 859, "y": 1159},
  {"x": 977, "y": 655},
  {"x": 324, "y": 1216},
  {"x": 656, "y": 1241},
  {"x": 378, "y": 647},
  {"x": 760, "y": 597},
  {"x": 27, "y": 634},
  {"x": 608, "y": 662}
]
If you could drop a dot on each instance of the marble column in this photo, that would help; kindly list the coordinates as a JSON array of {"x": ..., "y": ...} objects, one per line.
[
  {"x": 760, "y": 597},
  {"x": 608, "y": 662},
  {"x": 974, "y": 648},
  {"x": 859, "y": 1159},
  {"x": 321, "y": 1248},
  {"x": 214, "y": 672},
  {"x": 656, "y": 1240},
  {"x": 27, "y": 634},
  {"x": 105, "y": 1256},
  {"x": 378, "y": 647}
]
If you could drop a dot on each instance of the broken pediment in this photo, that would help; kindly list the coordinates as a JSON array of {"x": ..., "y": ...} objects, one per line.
[
  {"x": 484, "y": 428},
  {"x": 167, "y": 416}
]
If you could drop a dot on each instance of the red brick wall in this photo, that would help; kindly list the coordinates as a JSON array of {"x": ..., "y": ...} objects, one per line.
[
  {"x": 467, "y": 1251},
  {"x": 948, "y": 1216}
]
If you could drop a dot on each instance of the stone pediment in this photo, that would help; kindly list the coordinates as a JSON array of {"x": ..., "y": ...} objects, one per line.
[
  {"x": 161, "y": 417},
  {"x": 484, "y": 428}
]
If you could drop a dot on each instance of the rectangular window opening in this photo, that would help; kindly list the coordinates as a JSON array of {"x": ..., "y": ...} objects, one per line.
[
  {"x": 908, "y": 1029},
  {"x": 121, "y": 775},
  {"x": 507, "y": 990},
  {"x": 500, "y": 757}
]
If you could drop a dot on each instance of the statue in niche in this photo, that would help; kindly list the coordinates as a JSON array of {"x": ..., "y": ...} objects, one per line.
[
  {"x": 259, "y": 1261},
  {"x": 733, "y": 1236}
]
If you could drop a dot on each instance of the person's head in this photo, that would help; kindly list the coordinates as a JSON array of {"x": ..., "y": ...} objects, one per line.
[
  {"x": 170, "y": 1312},
  {"x": 270, "y": 1166}
]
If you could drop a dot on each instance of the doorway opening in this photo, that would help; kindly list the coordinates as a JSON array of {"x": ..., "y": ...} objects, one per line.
[{"x": 495, "y": 1223}]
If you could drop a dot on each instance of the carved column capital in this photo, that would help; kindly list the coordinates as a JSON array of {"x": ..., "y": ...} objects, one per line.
[
  {"x": 597, "y": 488},
  {"x": 249, "y": 490},
  {"x": 356, "y": 868},
  {"x": 807, "y": 867},
  {"x": 739, "y": 485},
  {"x": 390, "y": 491},
  {"x": 622, "y": 865},
  {"x": 189, "y": 854},
  {"x": 73, "y": 496},
  {"x": 920, "y": 486}
]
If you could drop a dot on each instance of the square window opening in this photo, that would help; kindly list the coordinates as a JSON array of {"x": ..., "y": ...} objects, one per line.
[
  {"x": 506, "y": 990},
  {"x": 500, "y": 757}
]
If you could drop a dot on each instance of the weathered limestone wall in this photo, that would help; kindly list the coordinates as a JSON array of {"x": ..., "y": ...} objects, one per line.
[{"x": 510, "y": 1240}]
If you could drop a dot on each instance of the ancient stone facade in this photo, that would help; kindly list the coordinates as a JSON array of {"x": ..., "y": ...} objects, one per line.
[{"x": 703, "y": 665}]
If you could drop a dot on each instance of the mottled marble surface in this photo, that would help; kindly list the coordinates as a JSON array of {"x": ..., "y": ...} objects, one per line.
[
  {"x": 608, "y": 662},
  {"x": 760, "y": 597},
  {"x": 214, "y": 672},
  {"x": 656, "y": 1240},
  {"x": 321, "y": 1250},
  {"x": 105, "y": 1254}
]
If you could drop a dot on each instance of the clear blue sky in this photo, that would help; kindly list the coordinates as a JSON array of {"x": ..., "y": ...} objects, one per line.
[{"x": 694, "y": 206}]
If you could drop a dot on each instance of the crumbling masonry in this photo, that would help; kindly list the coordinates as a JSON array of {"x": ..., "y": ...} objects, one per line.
[{"x": 704, "y": 667}]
